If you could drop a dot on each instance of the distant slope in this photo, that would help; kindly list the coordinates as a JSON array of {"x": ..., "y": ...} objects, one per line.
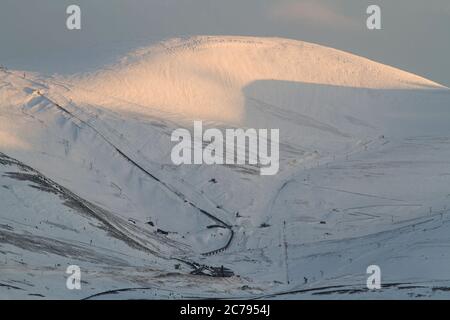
[
  {"x": 364, "y": 152},
  {"x": 204, "y": 76}
]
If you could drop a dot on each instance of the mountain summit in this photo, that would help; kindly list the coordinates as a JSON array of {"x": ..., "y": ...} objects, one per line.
[{"x": 206, "y": 76}]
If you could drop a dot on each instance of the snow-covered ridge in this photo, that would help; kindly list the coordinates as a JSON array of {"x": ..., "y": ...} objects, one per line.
[
  {"x": 363, "y": 177},
  {"x": 205, "y": 76}
]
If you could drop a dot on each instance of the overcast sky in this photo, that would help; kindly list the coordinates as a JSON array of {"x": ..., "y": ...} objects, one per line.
[{"x": 415, "y": 34}]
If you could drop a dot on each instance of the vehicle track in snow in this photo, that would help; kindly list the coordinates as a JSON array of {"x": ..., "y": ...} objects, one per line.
[
  {"x": 115, "y": 226},
  {"x": 165, "y": 185},
  {"x": 149, "y": 174},
  {"x": 124, "y": 155}
]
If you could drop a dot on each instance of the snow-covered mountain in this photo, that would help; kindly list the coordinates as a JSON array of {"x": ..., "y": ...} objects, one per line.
[{"x": 86, "y": 176}]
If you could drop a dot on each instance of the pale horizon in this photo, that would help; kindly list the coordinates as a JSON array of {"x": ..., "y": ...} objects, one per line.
[{"x": 414, "y": 34}]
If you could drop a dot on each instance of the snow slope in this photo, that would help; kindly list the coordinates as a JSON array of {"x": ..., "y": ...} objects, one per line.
[
  {"x": 205, "y": 76},
  {"x": 364, "y": 175}
]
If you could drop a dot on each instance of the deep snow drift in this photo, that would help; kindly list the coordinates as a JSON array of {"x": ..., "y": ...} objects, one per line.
[{"x": 85, "y": 171}]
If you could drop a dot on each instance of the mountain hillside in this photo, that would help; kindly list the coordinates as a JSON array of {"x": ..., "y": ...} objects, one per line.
[{"x": 86, "y": 176}]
